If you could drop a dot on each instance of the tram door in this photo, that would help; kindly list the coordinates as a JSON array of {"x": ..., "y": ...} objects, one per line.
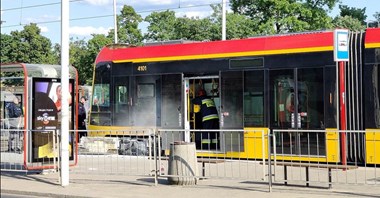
[
  {"x": 297, "y": 98},
  {"x": 143, "y": 101},
  {"x": 232, "y": 111},
  {"x": 204, "y": 140},
  {"x": 122, "y": 101}
]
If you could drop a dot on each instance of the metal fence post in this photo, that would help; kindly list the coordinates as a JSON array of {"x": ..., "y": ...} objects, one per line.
[
  {"x": 269, "y": 164},
  {"x": 156, "y": 171}
]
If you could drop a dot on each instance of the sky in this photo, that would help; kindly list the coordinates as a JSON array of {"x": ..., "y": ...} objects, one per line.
[{"x": 96, "y": 16}]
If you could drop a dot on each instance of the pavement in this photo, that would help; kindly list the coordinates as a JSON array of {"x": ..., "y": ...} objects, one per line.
[{"x": 85, "y": 185}]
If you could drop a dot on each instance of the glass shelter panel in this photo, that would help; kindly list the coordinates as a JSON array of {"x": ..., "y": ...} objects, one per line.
[{"x": 12, "y": 103}]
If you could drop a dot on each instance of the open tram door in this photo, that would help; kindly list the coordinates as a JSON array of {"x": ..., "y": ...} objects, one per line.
[
  {"x": 204, "y": 140},
  {"x": 225, "y": 90}
]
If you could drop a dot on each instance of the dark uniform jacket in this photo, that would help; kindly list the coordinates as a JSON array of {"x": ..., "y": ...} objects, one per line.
[{"x": 208, "y": 109}]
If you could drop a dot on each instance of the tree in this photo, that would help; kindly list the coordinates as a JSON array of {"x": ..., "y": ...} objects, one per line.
[
  {"x": 355, "y": 13},
  {"x": 30, "y": 47},
  {"x": 162, "y": 26},
  {"x": 166, "y": 26},
  {"x": 350, "y": 18},
  {"x": 377, "y": 16},
  {"x": 78, "y": 55},
  {"x": 283, "y": 16},
  {"x": 87, "y": 60},
  {"x": 375, "y": 23},
  {"x": 127, "y": 27},
  {"x": 5, "y": 48},
  {"x": 83, "y": 55},
  {"x": 237, "y": 25},
  {"x": 194, "y": 29},
  {"x": 348, "y": 22}
]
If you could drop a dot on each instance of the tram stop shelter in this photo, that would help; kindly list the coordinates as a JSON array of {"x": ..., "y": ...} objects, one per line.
[{"x": 33, "y": 91}]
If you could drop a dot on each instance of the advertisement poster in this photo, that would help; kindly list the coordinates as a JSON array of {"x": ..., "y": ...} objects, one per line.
[{"x": 46, "y": 117}]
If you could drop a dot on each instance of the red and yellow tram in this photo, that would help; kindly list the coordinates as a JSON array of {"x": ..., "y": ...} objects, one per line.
[{"x": 263, "y": 83}]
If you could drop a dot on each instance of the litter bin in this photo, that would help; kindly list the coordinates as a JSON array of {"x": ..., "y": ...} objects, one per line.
[{"x": 183, "y": 163}]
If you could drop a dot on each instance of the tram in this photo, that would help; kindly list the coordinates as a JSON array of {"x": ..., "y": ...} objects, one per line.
[{"x": 287, "y": 81}]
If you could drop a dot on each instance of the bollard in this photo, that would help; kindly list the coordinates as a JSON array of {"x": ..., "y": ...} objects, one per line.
[{"x": 183, "y": 163}]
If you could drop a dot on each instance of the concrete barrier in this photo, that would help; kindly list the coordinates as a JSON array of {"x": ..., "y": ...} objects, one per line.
[{"x": 183, "y": 169}]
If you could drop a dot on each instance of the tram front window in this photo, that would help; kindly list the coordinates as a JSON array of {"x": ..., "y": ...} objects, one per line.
[{"x": 100, "y": 109}]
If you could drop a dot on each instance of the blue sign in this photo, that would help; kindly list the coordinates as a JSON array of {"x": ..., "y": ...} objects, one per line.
[{"x": 341, "y": 45}]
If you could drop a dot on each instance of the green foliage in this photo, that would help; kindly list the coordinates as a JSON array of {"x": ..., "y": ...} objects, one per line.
[
  {"x": 85, "y": 55},
  {"x": 162, "y": 26},
  {"x": 349, "y": 22},
  {"x": 27, "y": 46},
  {"x": 6, "y": 48},
  {"x": 166, "y": 26},
  {"x": 127, "y": 27},
  {"x": 355, "y": 13},
  {"x": 376, "y": 22},
  {"x": 377, "y": 16},
  {"x": 78, "y": 55},
  {"x": 237, "y": 26},
  {"x": 283, "y": 16},
  {"x": 194, "y": 29}
]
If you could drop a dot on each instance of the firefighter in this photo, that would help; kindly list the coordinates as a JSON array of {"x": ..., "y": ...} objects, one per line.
[{"x": 205, "y": 107}]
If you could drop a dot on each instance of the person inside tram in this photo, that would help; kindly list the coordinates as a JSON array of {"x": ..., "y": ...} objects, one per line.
[{"x": 206, "y": 109}]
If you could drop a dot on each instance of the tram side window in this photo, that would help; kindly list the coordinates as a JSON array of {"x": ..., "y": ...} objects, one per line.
[
  {"x": 121, "y": 101},
  {"x": 330, "y": 98},
  {"x": 100, "y": 109},
  {"x": 122, "y": 96},
  {"x": 310, "y": 98},
  {"x": 254, "y": 99},
  {"x": 171, "y": 105},
  {"x": 145, "y": 90},
  {"x": 372, "y": 95},
  {"x": 281, "y": 84}
]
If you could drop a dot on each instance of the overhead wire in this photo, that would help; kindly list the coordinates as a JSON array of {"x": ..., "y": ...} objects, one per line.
[
  {"x": 36, "y": 6},
  {"x": 95, "y": 17}
]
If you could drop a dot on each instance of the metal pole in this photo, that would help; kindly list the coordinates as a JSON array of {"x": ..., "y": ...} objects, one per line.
[
  {"x": 342, "y": 99},
  {"x": 157, "y": 168},
  {"x": 223, "y": 20},
  {"x": 115, "y": 19},
  {"x": 65, "y": 90},
  {"x": 269, "y": 163}
]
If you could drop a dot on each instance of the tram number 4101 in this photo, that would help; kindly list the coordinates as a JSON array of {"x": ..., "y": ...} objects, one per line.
[{"x": 142, "y": 68}]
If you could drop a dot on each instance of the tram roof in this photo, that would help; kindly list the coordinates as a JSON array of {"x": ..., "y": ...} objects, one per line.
[
  {"x": 256, "y": 46},
  {"x": 37, "y": 70}
]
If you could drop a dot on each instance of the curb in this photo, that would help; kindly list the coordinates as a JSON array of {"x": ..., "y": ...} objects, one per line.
[{"x": 19, "y": 192}]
